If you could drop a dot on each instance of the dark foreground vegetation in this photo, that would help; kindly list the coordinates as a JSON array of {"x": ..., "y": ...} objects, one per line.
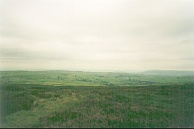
[{"x": 60, "y": 99}]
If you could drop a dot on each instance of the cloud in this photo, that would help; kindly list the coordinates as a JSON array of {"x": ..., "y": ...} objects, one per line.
[{"x": 97, "y": 34}]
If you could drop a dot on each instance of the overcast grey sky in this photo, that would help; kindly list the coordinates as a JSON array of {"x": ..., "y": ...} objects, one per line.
[{"x": 96, "y": 34}]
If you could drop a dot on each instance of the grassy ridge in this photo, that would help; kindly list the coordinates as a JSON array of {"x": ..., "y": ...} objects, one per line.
[{"x": 36, "y": 105}]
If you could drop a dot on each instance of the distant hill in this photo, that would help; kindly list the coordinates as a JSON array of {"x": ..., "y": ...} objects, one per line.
[{"x": 168, "y": 72}]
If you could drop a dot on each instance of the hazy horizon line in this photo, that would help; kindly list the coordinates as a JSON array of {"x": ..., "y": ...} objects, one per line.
[{"x": 122, "y": 71}]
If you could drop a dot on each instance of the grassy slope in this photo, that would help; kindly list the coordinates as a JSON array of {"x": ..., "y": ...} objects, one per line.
[
  {"x": 168, "y": 72},
  {"x": 25, "y": 102}
]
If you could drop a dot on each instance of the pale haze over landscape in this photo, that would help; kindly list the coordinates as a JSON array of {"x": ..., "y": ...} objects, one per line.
[{"x": 96, "y": 35}]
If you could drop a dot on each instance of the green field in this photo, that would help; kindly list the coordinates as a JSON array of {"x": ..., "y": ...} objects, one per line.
[{"x": 96, "y": 99}]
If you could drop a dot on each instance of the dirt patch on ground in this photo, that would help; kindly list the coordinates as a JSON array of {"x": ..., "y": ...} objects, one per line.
[{"x": 135, "y": 108}]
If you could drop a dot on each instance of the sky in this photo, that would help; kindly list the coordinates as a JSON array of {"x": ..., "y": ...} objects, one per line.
[{"x": 97, "y": 35}]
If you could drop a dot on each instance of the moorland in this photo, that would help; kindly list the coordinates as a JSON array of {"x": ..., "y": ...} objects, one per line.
[{"x": 59, "y": 98}]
